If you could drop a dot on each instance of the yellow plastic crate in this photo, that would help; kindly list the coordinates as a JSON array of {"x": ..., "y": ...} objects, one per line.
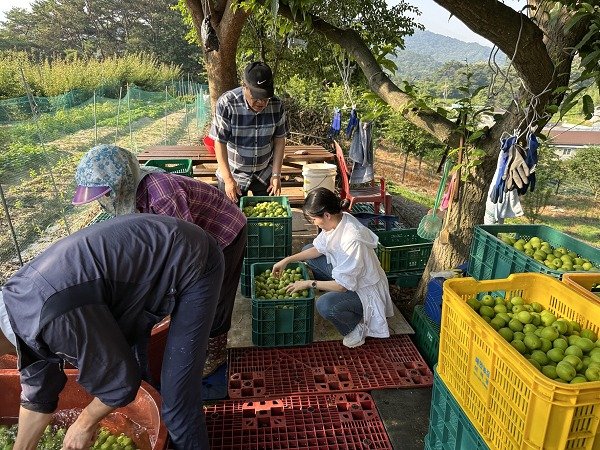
[
  {"x": 513, "y": 405},
  {"x": 582, "y": 283}
]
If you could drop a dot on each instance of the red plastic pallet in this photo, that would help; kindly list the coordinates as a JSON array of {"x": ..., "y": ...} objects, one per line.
[
  {"x": 326, "y": 422},
  {"x": 327, "y": 367}
]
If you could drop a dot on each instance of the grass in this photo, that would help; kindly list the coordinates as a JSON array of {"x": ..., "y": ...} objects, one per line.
[{"x": 421, "y": 199}]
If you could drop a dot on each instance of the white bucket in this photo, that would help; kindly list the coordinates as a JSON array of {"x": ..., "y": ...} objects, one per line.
[{"x": 318, "y": 175}]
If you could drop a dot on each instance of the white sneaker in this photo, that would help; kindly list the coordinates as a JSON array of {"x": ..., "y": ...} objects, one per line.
[{"x": 355, "y": 337}]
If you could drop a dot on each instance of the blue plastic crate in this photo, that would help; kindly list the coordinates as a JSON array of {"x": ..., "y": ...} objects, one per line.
[{"x": 433, "y": 300}]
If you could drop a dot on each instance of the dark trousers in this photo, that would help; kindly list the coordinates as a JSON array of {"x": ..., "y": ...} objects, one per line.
[
  {"x": 234, "y": 256},
  {"x": 256, "y": 187},
  {"x": 184, "y": 357}
]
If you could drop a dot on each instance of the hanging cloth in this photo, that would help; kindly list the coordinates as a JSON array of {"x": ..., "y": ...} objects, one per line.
[
  {"x": 361, "y": 153},
  {"x": 336, "y": 123},
  {"x": 352, "y": 123},
  {"x": 501, "y": 204}
]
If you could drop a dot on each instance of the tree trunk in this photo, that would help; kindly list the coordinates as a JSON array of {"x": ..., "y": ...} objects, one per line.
[{"x": 220, "y": 65}]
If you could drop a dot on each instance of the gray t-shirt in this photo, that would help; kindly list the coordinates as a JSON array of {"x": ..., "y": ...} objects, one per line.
[{"x": 93, "y": 295}]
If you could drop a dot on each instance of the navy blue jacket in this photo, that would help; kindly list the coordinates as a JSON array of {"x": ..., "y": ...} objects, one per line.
[{"x": 93, "y": 295}]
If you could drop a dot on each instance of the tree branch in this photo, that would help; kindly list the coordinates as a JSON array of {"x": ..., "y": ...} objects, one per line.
[
  {"x": 512, "y": 32},
  {"x": 429, "y": 120}
]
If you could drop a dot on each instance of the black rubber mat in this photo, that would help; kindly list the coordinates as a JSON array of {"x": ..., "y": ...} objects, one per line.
[{"x": 405, "y": 415}]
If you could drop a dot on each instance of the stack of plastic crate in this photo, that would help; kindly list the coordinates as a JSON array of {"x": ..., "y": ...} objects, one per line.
[
  {"x": 403, "y": 255},
  {"x": 269, "y": 238},
  {"x": 511, "y": 403}
]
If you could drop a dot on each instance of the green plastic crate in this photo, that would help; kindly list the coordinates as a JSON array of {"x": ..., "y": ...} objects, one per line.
[
  {"x": 427, "y": 335},
  {"x": 402, "y": 250},
  {"x": 449, "y": 427},
  {"x": 268, "y": 238},
  {"x": 246, "y": 277},
  {"x": 282, "y": 322},
  {"x": 491, "y": 259},
  {"x": 181, "y": 166},
  {"x": 101, "y": 217},
  {"x": 407, "y": 279}
]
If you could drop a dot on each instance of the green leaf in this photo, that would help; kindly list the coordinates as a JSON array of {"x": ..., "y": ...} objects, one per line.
[
  {"x": 476, "y": 135},
  {"x": 588, "y": 107},
  {"x": 591, "y": 57}
]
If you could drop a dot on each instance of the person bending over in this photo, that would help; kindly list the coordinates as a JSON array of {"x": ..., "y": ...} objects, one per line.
[
  {"x": 91, "y": 300},
  {"x": 113, "y": 176}
]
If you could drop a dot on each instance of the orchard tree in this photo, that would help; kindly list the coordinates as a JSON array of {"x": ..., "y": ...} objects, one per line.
[
  {"x": 373, "y": 21},
  {"x": 542, "y": 39},
  {"x": 585, "y": 166}
]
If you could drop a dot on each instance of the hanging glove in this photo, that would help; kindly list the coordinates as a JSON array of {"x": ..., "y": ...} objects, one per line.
[
  {"x": 209, "y": 36},
  {"x": 336, "y": 123},
  {"x": 497, "y": 195},
  {"x": 352, "y": 123},
  {"x": 532, "y": 158},
  {"x": 517, "y": 175}
]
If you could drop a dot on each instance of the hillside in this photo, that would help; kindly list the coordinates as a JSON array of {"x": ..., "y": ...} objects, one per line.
[{"x": 426, "y": 51}]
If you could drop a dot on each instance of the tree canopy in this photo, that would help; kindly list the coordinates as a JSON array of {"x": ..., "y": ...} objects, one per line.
[{"x": 100, "y": 29}]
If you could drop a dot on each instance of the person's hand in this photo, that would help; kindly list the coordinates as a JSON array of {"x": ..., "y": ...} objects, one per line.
[
  {"x": 298, "y": 286},
  {"x": 232, "y": 190},
  {"x": 275, "y": 186},
  {"x": 79, "y": 437},
  {"x": 279, "y": 267}
]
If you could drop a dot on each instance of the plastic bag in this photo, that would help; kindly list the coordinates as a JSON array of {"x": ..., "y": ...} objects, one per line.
[{"x": 209, "y": 36}]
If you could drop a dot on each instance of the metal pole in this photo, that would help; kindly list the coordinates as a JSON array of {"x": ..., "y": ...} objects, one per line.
[
  {"x": 129, "y": 117},
  {"x": 118, "y": 113},
  {"x": 13, "y": 234},
  {"x": 95, "y": 122},
  {"x": 166, "y": 100}
]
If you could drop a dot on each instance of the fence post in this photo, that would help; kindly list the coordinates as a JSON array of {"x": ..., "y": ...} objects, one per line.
[{"x": 13, "y": 234}]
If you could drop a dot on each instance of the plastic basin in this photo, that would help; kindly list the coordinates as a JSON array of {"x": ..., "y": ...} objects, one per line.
[{"x": 140, "y": 419}]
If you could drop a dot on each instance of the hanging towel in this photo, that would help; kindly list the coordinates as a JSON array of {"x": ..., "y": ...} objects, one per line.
[
  {"x": 361, "y": 153},
  {"x": 336, "y": 123},
  {"x": 352, "y": 123},
  {"x": 500, "y": 205}
]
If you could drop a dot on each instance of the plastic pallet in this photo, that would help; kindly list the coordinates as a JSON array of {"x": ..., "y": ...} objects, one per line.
[
  {"x": 427, "y": 335},
  {"x": 449, "y": 427},
  {"x": 326, "y": 367},
  {"x": 326, "y": 422}
]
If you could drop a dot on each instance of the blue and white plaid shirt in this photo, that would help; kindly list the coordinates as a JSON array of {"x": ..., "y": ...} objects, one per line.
[{"x": 248, "y": 135}]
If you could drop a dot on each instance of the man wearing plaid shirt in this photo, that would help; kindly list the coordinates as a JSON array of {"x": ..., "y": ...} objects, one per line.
[{"x": 249, "y": 130}]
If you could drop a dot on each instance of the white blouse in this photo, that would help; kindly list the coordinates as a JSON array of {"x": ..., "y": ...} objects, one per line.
[{"x": 350, "y": 249}]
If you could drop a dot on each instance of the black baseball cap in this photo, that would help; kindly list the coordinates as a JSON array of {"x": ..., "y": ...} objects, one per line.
[{"x": 258, "y": 77}]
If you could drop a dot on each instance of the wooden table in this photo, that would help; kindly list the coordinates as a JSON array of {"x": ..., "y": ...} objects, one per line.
[
  {"x": 293, "y": 154},
  {"x": 205, "y": 164}
]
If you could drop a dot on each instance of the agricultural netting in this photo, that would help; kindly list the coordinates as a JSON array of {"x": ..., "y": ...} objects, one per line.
[{"x": 43, "y": 138}]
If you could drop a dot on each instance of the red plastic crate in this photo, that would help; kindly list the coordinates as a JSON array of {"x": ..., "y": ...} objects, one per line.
[
  {"x": 326, "y": 422},
  {"x": 327, "y": 367}
]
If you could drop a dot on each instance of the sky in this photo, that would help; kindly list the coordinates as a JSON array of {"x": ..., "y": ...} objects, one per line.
[{"x": 435, "y": 18}]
